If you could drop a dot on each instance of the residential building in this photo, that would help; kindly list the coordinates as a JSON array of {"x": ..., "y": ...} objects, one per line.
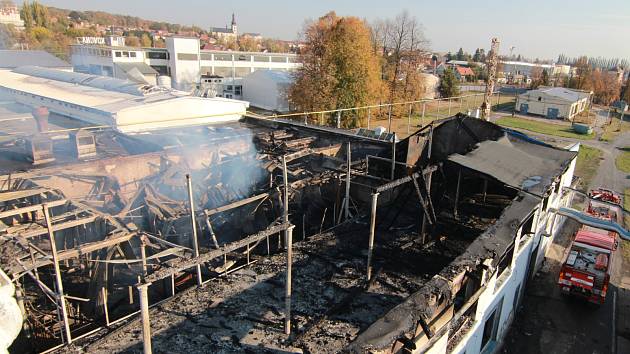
[
  {"x": 227, "y": 33},
  {"x": 255, "y": 36},
  {"x": 463, "y": 73},
  {"x": 554, "y": 102},
  {"x": 182, "y": 64},
  {"x": 11, "y": 59},
  {"x": 10, "y": 15}
]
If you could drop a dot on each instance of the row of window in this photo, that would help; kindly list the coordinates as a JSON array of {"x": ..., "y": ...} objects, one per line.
[
  {"x": 96, "y": 52},
  {"x": 124, "y": 54}
]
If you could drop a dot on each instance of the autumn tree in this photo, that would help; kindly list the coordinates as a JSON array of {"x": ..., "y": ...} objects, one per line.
[
  {"x": 339, "y": 67},
  {"x": 132, "y": 41},
  {"x": 145, "y": 40},
  {"x": 248, "y": 44}
]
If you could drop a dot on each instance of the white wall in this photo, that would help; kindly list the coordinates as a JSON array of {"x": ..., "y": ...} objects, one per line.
[
  {"x": 263, "y": 92},
  {"x": 184, "y": 62},
  {"x": 501, "y": 289}
]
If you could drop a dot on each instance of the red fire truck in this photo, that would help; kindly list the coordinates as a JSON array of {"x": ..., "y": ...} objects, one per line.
[{"x": 587, "y": 268}]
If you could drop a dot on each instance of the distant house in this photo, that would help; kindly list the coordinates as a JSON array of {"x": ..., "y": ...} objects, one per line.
[
  {"x": 254, "y": 36},
  {"x": 463, "y": 73},
  {"x": 11, "y": 59},
  {"x": 10, "y": 15},
  {"x": 554, "y": 102}
]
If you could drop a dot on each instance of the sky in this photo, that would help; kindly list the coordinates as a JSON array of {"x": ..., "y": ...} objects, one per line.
[{"x": 536, "y": 28}]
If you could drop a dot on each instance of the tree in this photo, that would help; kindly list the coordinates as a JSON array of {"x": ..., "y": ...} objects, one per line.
[
  {"x": 145, "y": 40},
  {"x": 448, "y": 84},
  {"x": 460, "y": 54},
  {"x": 544, "y": 78},
  {"x": 27, "y": 15},
  {"x": 248, "y": 44},
  {"x": 403, "y": 46},
  {"x": 75, "y": 15},
  {"x": 132, "y": 41},
  {"x": 339, "y": 67}
]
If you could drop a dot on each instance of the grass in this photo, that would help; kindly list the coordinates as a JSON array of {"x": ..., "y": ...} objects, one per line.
[
  {"x": 623, "y": 160},
  {"x": 588, "y": 161},
  {"x": 616, "y": 127},
  {"x": 561, "y": 130}
]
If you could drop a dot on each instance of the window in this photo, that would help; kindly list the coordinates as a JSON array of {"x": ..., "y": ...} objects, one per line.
[
  {"x": 490, "y": 328},
  {"x": 244, "y": 58},
  {"x": 506, "y": 260},
  {"x": 156, "y": 55},
  {"x": 539, "y": 98},
  {"x": 206, "y": 56},
  {"x": 238, "y": 89},
  {"x": 132, "y": 54},
  {"x": 187, "y": 56},
  {"x": 223, "y": 57},
  {"x": 278, "y": 59},
  {"x": 125, "y": 54},
  {"x": 261, "y": 58}
]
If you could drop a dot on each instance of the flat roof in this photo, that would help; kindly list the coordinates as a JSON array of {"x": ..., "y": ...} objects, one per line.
[{"x": 10, "y": 59}]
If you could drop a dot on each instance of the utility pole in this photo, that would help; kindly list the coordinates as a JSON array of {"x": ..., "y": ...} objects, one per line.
[{"x": 492, "y": 63}]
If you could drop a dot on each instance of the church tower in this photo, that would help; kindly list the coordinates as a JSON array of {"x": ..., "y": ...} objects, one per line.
[{"x": 234, "y": 28}]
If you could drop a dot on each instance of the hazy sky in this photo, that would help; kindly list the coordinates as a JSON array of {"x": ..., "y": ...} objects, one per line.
[{"x": 537, "y": 28}]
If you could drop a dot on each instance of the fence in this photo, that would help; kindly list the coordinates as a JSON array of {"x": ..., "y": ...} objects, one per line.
[{"x": 403, "y": 118}]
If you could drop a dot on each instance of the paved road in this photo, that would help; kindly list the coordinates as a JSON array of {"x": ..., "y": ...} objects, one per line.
[{"x": 550, "y": 323}]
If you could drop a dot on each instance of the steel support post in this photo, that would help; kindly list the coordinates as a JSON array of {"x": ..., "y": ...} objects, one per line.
[
  {"x": 459, "y": 181},
  {"x": 193, "y": 225},
  {"x": 389, "y": 118},
  {"x": 409, "y": 119},
  {"x": 146, "y": 321},
  {"x": 61, "y": 300},
  {"x": 372, "y": 231},
  {"x": 285, "y": 201},
  {"x": 348, "y": 172},
  {"x": 393, "y": 172},
  {"x": 424, "y": 106},
  {"x": 287, "y": 294}
]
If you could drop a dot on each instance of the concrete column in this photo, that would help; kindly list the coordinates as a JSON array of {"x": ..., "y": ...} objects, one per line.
[
  {"x": 146, "y": 321},
  {"x": 372, "y": 231},
  {"x": 61, "y": 300},
  {"x": 194, "y": 227}
]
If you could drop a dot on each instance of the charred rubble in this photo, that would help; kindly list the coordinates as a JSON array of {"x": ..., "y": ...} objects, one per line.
[{"x": 391, "y": 257}]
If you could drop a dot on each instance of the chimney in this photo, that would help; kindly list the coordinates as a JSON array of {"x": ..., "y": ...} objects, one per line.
[{"x": 41, "y": 118}]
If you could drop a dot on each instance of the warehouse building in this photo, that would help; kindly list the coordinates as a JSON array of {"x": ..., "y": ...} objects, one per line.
[
  {"x": 123, "y": 105},
  {"x": 554, "y": 102},
  {"x": 182, "y": 64}
]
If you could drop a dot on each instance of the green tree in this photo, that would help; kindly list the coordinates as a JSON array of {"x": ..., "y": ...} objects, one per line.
[
  {"x": 339, "y": 69},
  {"x": 460, "y": 54},
  {"x": 448, "y": 84},
  {"x": 27, "y": 15},
  {"x": 544, "y": 78}
]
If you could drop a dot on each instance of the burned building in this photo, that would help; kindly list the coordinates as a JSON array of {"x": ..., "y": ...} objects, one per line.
[{"x": 272, "y": 236}]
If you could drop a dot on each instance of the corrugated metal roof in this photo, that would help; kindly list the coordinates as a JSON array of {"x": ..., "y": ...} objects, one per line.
[
  {"x": 141, "y": 66},
  {"x": 10, "y": 59},
  {"x": 101, "y": 82}
]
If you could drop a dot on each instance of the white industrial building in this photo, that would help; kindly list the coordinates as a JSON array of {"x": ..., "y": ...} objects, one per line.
[
  {"x": 554, "y": 102},
  {"x": 11, "y": 59},
  {"x": 123, "y": 105},
  {"x": 181, "y": 62},
  {"x": 267, "y": 89}
]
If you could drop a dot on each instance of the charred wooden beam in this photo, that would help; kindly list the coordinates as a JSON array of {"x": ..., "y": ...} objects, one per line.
[
  {"x": 184, "y": 264},
  {"x": 31, "y": 208},
  {"x": 407, "y": 179},
  {"x": 236, "y": 204}
]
